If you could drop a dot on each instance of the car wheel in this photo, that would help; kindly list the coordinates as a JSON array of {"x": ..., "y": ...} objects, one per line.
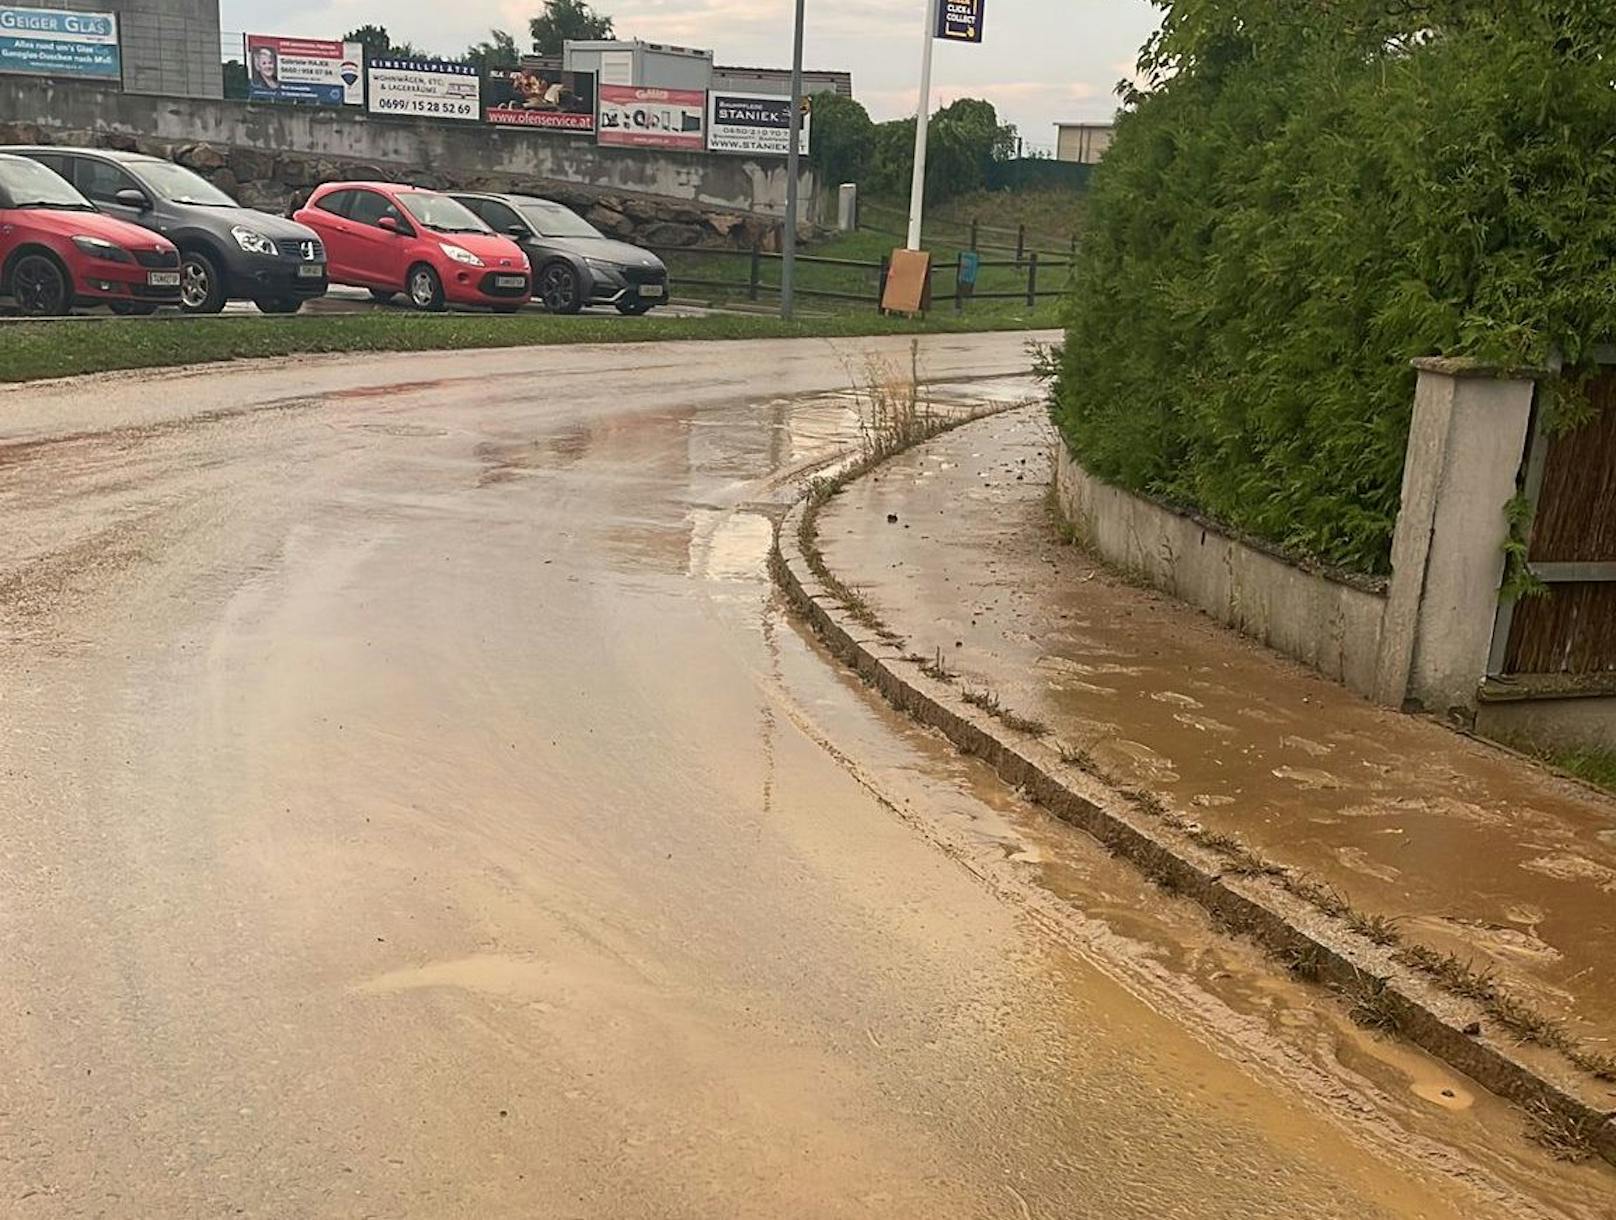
[
  {"x": 132, "y": 309},
  {"x": 382, "y": 296},
  {"x": 558, "y": 289},
  {"x": 201, "y": 285},
  {"x": 279, "y": 305},
  {"x": 425, "y": 289},
  {"x": 633, "y": 309},
  {"x": 40, "y": 287}
]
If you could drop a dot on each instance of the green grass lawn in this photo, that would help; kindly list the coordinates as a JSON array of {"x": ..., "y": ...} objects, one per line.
[{"x": 33, "y": 350}]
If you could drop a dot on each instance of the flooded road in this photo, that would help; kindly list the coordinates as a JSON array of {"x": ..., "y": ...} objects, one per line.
[{"x": 414, "y": 802}]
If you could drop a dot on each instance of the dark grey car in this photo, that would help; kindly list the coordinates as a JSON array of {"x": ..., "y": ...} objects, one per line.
[
  {"x": 574, "y": 263},
  {"x": 227, "y": 252}
]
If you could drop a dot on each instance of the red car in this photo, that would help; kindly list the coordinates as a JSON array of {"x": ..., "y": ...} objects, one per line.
[
  {"x": 393, "y": 239},
  {"x": 57, "y": 251}
]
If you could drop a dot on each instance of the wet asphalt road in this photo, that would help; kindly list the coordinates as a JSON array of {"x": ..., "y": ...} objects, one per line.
[{"x": 413, "y": 802}]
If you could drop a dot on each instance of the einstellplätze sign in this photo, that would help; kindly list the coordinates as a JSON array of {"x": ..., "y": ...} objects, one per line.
[
  {"x": 424, "y": 89},
  {"x": 960, "y": 20}
]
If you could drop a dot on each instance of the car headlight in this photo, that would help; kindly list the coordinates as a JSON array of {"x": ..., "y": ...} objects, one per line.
[
  {"x": 98, "y": 247},
  {"x": 461, "y": 255},
  {"x": 603, "y": 264},
  {"x": 253, "y": 242}
]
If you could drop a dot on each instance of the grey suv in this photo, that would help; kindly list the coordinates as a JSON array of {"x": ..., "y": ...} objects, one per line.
[{"x": 227, "y": 252}]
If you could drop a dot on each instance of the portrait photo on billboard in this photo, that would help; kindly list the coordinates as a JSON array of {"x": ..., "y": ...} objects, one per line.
[
  {"x": 304, "y": 71},
  {"x": 545, "y": 98}
]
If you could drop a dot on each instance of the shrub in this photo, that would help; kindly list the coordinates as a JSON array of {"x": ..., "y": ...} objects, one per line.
[{"x": 1302, "y": 198}]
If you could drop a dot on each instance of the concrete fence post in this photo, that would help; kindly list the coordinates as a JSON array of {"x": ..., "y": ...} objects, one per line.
[{"x": 1466, "y": 444}]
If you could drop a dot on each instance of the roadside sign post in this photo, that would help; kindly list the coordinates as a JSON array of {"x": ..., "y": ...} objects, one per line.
[
  {"x": 917, "y": 186},
  {"x": 788, "y": 244},
  {"x": 946, "y": 21}
]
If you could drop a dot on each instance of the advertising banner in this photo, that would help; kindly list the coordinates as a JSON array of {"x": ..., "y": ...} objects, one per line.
[
  {"x": 653, "y": 118},
  {"x": 58, "y": 42},
  {"x": 424, "y": 88},
  {"x": 304, "y": 70},
  {"x": 753, "y": 123},
  {"x": 960, "y": 20},
  {"x": 535, "y": 97}
]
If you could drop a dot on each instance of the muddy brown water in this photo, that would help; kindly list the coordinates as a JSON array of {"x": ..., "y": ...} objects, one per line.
[{"x": 414, "y": 801}]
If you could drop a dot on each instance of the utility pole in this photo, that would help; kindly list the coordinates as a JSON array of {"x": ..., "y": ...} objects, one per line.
[
  {"x": 917, "y": 188},
  {"x": 788, "y": 246}
]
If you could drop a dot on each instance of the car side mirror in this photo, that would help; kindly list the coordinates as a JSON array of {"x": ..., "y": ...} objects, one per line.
[
  {"x": 388, "y": 223},
  {"x": 519, "y": 232},
  {"x": 129, "y": 197}
]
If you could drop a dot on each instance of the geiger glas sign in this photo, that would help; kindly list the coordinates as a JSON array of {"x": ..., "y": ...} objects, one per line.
[{"x": 960, "y": 20}]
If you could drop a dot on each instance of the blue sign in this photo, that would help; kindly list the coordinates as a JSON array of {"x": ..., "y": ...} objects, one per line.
[
  {"x": 51, "y": 42},
  {"x": 960, "y": 20}
]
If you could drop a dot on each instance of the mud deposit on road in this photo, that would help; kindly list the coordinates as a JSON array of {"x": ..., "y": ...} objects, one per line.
[{"x": 431, "y": 812}]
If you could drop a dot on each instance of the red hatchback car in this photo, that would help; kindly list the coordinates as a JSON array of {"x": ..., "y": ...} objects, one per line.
[
  {"x": 57, "y": 251},
  {"x": 393, "y": 239}
]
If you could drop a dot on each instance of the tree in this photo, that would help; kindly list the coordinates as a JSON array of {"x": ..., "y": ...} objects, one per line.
[
  {"x": 566, "y": 19},
  {"x": 379, "y": 45},
  {"x": 235, "y": 79},
  {"x": 843, "y": 139},
  {"x": 499, "y": 51}
]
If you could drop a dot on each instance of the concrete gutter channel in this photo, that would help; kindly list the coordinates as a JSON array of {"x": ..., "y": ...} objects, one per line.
[{"x": 1288, "y": 927}]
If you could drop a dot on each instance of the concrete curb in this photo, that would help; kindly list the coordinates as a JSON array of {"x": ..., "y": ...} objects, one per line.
[{"x": 1287, "y": 926}]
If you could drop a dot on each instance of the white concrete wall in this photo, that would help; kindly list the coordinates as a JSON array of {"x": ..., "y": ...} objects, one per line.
[{"x": 1330, "y": 625}]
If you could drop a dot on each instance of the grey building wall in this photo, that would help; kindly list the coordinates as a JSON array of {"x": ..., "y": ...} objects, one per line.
[{"x": 169, "y": 46}]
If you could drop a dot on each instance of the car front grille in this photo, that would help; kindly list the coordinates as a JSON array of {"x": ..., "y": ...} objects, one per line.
[
  {"x": 309, "y": 251},
  {"x": 154, "y": 294},
  {"x": 161, "y": 259},
  {"x": 644, "y": 275}
]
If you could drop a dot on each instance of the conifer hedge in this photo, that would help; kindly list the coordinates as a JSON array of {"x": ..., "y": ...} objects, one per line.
[{"x": 1302, "y": 197}]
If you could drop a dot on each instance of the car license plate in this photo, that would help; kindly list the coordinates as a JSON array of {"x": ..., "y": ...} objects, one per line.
[
  {"x": 163, "y": 279},
  {"x": 650, "y": 290},
  {"x": 311, "y": 271},
  {"x": 510, "y": 281}
]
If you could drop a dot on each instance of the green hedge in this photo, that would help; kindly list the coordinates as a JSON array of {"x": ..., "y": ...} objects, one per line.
[{"x": 1302, "y": 198}]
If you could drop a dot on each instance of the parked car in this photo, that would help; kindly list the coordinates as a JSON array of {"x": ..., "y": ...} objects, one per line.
[
  {"x": 57, "y": 251},
  {"x": 227, "y": 252},
  {"x": 391, "y": 238},
  {"x": 574, "y": 263}
]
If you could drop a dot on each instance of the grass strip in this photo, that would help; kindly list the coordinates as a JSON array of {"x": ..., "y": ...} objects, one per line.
[{"x": 30, "y": 351}]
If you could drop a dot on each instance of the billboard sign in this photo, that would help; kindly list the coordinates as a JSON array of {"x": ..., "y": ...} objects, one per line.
[
  {"x": 653, "y": 118},
  {"x": 960, "y": 20},
  {"x": 753, "y": 123},
  {"x": 424, "y": 88},
  {"x": 59, "y": 42},
  {"x": 304, "y": 70},
  {"x": 550, "y": 100}
]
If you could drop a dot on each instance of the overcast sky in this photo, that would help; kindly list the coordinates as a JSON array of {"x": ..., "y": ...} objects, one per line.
[{"x": 1044, "y": 60}]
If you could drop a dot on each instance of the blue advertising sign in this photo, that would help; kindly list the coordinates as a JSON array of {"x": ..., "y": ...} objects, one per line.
[
  {"x": 960, "y": 20},
  {"x": 52, "y": 42}
]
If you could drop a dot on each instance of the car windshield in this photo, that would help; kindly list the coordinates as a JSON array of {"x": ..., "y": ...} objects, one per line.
[
  {"x": 28, "y": 184},
  {"x": 553, "y": 220},
  {"x": 441, "y": 214},
  {"x": 179, "y": 185}
]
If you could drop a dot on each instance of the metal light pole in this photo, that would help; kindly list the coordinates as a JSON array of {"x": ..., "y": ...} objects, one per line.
[
  {"x": 788, "y": 246},
  {"x": 917, "y": 188}
]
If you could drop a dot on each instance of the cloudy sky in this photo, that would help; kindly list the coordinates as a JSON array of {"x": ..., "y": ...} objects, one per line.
[{"x": 1043, "y": 60}]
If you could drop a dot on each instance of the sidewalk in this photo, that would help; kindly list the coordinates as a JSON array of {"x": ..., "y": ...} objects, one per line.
[{"x": 1466, "y": 849}]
